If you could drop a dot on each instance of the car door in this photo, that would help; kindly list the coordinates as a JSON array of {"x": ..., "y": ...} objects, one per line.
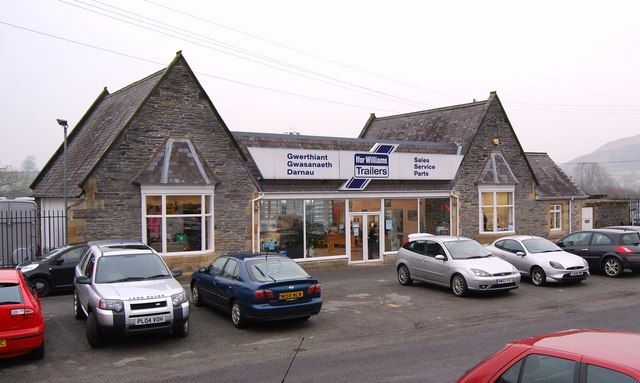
[
  {"x": 207, "y": 285},
  {"x": 576, "y": 243},
  {"x": 83, "y": 290},
  {"x": 63, "y": 266},
  {"x": 437, "y": 270},
  {"x": 511, "y": 250},
  {"x": 414, "y": 257},
  {"x": 226, "y": 282}
]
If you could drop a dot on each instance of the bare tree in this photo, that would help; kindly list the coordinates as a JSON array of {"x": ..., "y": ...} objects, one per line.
[
  {"x": 29, "y": 164},
  {"x": 14, "y": 183},
  {"x": 592, "y": 178}
]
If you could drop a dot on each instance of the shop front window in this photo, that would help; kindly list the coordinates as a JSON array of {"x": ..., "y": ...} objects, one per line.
[
  {"x": 325, "y": 228},
  {"x": 496, "y": 211},
  {"x": 178, "y": 223},
  {"x": 435, "y": 216},
  {"x": 282, "y": 227},
  {"x": 400, "y": 220}
]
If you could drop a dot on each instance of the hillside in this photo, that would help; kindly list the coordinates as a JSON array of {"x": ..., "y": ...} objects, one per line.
[{"x": 611, "y": 155}]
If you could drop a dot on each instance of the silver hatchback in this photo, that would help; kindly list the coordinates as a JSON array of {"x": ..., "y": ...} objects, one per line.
[{"x": 456, "y": 262}]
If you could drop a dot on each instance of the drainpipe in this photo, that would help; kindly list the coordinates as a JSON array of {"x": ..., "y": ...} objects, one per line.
[
  {"x": 570, "y": 211},
  {"x": 457, "y": 213},
  {"x": 253, "y": 221}
]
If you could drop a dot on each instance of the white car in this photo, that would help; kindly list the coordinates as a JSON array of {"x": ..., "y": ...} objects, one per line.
[
  {"x": 459, "y": 263},
  {"x": 540, "y": 259}
]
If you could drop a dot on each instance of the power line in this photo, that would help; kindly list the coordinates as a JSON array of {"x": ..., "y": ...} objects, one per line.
[
  {"x": 302, "y": 51},
  {"x": 598, "y": 162},
  {"x": 200, "y": 73},
  {"x": 239, "y": 51}
]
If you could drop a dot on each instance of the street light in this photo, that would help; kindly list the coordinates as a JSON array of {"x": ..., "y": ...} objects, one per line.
[{"x": 64, "y": 125}]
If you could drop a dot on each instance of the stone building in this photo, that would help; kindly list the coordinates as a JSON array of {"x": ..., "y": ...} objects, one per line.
[{"x": 155, "y": 161}]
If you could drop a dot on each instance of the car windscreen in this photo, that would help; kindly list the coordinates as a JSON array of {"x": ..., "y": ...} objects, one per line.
[
  {"x": 55, "y": 252},
  {"x": 130, "y": 267},
  {"x": 10, "y": 293},
  {"x": 466, "y": 249},
  {"x": 540, "y": 245},
  {"x": 275, "y": 269}
]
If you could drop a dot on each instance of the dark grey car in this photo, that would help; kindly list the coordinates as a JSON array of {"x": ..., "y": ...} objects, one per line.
[{"x": 53, "y": 271}]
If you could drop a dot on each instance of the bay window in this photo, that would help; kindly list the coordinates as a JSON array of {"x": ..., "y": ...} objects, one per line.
[{"x": 496, "y": 210}]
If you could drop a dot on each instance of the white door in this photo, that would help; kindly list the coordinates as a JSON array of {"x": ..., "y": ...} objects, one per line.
[
  {"x": 587, "y": 218},
  {"x": 364, "y": 243}
]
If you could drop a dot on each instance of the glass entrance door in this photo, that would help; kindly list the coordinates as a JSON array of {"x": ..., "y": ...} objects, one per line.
[{"x": 364, "y": 237}]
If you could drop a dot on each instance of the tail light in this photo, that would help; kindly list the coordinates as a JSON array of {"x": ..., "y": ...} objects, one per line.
[
  {"x": 263, "y": 294},
  {"x": 314, "y": 289},
  {"x": 623, "y": 249},
  {"x": 22, "y": 313}
]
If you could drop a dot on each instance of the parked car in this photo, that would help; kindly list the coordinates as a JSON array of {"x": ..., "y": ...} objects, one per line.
[
  {"x": 456, "y": 262},
  {"x": 53, "y": 271},
  {"x": 257, "y": 287},
  {"x": 585, "y": 356},
  {"x": 607, "y": 250},
  {"x": 124, "y": 287},
  {"x": 21, "y": 320},
  {"x": 540, "y": 259}
]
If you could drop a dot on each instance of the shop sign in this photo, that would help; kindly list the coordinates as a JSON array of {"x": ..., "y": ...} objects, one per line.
[{"x": 382, "y": 162}]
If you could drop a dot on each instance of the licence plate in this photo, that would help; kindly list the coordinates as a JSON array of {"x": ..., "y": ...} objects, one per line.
[
  {"x": 290, "y": 295},
  {"x": 504, "y": 280},
  {"x": 3, "y": 343},
  {"x": 150, "y": 320},
  {"x": 575, "y": 273}
]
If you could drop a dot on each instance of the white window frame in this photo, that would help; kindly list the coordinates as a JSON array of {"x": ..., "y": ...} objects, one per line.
[
  {"x": 496, "y": 189},
  {"x": 556, "y": 217},
  {"x": 206, "y": 199}
]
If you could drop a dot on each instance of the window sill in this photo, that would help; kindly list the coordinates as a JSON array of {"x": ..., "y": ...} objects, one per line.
[
  {"x": 510, "y": 232},
  {"x": 186, "y": 253}
]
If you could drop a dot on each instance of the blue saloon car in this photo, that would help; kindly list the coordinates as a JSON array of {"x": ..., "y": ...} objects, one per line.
[{"x": 257, "y": 287}]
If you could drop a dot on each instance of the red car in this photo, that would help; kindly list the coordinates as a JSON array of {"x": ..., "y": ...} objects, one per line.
[
  {"x": 573, "y": 356},
  {"x": 21, "y": 319}
]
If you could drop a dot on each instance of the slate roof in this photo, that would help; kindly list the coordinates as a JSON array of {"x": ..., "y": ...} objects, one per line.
[
  {"x": 176, "y": 162},
  {"x": 496, "y": 171},
  {"x": 91, "y": 138},
  {"x": 453, "y": 124},
  {"x": 552, "y": 181}
]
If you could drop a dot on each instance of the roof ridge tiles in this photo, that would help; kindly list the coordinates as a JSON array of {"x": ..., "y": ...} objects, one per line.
[{"x": 444, "y": 108}]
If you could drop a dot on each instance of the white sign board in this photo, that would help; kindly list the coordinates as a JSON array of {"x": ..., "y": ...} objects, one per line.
[{"x": 305, "y": 164}]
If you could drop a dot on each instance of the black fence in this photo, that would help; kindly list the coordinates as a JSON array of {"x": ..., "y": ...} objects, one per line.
[
  {"x": 634, "y": 208},
  {"x": 25, "y": 235}
]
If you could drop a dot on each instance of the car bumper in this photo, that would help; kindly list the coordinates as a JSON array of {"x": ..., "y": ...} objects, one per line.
[
  {"x": 21, "y": 342},
  {"x": 125, "y": 323},
  {"x": 506, "y": 282},
  {"x": 632, "y": 263},
  {"x": 556, "y": 275},
  {"x": 267, "y": 312}
]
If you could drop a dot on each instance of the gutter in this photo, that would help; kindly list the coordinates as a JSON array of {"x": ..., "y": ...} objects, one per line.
[
  {"x": 457, "y": 212},
  {"x": 253, "y": 221}
]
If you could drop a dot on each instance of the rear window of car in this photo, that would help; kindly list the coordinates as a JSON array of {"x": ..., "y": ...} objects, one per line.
[
  {"x": 632, "y": 239},
  {"x": 275, "y": 270},
  {"x": 10, "y": 293},
  {"x": 416, "y": 246}
]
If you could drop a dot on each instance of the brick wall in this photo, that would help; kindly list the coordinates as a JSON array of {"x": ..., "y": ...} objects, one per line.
[{"x": 178, "y": 108}]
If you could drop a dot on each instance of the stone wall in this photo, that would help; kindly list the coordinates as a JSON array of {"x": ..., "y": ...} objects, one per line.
[
  {"x": 609, "y": 212},
  {"x": 177, "y": 108},
  {"x": 530, "y": 215}
]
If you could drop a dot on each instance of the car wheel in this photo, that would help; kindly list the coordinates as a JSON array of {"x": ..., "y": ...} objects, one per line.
[
  {"x": 38, "y": 353},
  {"x": 538, "y": 277},
  {"x": 195, "y": 295},
  {"x": 612, "y": 267},
  {"x": 78, "y": 313},
  {"x": 40, "y": 285},
  {"x": 404, "y": 277},
  {"x": 95, "y": 337},
  {"x": 181, "y": 330},
  {"x": 459, "y": 286},
  {"x": 236, "y": 316}
]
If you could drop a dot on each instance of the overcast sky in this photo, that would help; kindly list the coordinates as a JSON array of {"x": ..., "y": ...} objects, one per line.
[{"x": 567, "y": 72}]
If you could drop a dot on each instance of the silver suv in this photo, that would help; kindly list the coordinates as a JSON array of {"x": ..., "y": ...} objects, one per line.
[{"x": 124, "y": 287}]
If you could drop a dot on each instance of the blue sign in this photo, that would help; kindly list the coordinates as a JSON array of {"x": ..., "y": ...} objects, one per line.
[{"x": 367, "y": 166}]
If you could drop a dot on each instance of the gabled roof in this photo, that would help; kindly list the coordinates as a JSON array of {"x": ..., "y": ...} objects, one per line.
[
  {"x": 452, "y": 124},
  {"x": 92, "y": 136},
  {"x": 177, "y": 161},
  {"x": 496, "y": 171},
  {"x": 552, "y": 181}
]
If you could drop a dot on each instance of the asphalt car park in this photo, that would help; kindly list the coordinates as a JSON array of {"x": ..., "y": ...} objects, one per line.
[{"x": 370, "y": 328}]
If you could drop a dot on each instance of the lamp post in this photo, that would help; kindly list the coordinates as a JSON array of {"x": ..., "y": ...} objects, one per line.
[{"x": 64, "y": 125}]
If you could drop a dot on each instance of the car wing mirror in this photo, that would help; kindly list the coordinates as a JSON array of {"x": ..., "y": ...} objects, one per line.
[
  {"x": 440, "y": 257},
  {"x": 202, "y": 270},
  {"x": 520, "y": 253},
  {"x": 176, "y": 273},
  {"x": 83, "y": 280}
]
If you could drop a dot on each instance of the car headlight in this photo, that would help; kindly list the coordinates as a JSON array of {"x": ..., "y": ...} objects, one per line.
[
  {"x": 114, "y": 305},
  {"x": 514, "y": 270},
  {"x": 179, "y": 299},
  {"x": 556, "y": 265},
  {"x": 586, "y": 264},
  {"x": 30, "y": 267},
  {"x": 480, "y": 273}
]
